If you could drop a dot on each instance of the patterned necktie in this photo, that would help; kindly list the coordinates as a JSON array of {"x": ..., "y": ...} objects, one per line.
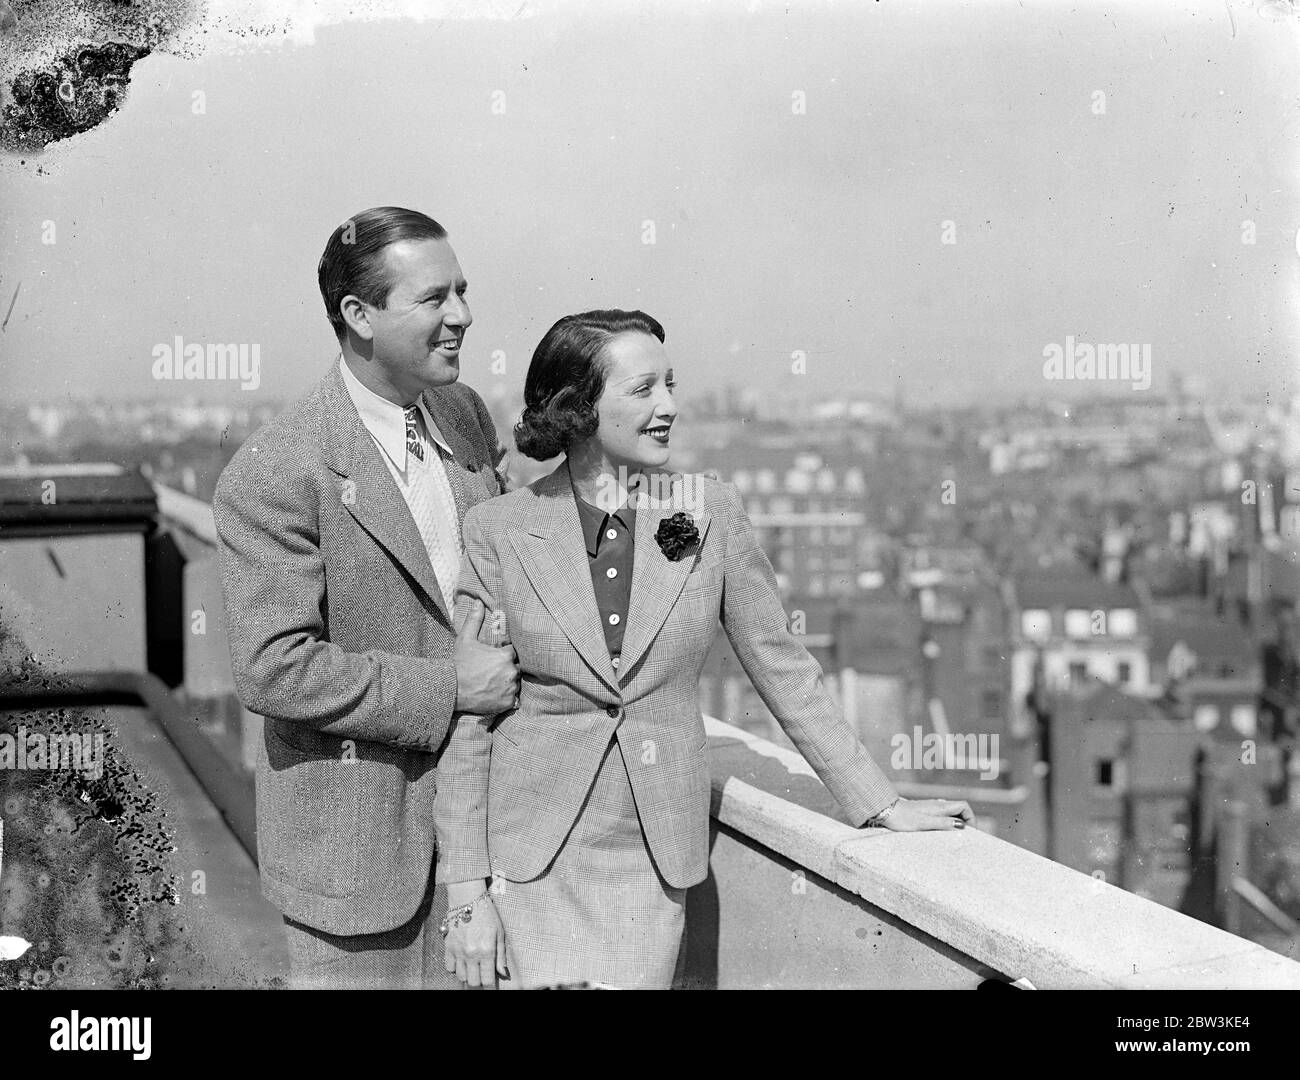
[{"x": 413, "y": 443}]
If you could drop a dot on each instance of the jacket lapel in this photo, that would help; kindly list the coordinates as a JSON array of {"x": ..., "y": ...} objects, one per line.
[
  {"x": 657, "y": 581},
  {"x": 553, "y": 553},
  {"x": 369, "y": 493},
  {"x": 460, "y": 450}
]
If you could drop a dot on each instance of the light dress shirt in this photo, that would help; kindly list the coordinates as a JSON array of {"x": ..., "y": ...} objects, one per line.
[{"x": 424, "y": 484}]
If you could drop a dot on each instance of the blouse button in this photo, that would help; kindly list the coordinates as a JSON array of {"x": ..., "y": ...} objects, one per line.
[
  {"x": 612, "y": 572},
  {"x": 613, "y": 620},
  {"x": 611, "y": 534}
]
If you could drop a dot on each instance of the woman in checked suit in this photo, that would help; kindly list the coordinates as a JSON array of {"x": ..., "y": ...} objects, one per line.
[{"x": 588, "y": 804}]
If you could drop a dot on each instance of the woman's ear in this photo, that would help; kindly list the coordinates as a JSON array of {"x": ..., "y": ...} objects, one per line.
[{"x": 357, "y": 316}]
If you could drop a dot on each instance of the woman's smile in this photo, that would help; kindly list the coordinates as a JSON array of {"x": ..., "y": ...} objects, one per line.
[{"x": 657, "y": 432}]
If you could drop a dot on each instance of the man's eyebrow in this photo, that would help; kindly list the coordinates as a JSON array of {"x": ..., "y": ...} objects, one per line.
[{"x": 433, "y": 290}]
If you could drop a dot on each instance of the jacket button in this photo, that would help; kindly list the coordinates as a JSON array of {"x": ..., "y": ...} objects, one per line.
[{"x": 613, "y": 711}]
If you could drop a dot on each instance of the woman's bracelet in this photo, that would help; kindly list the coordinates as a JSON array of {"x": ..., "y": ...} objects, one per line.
[
  {"x": 879, "y": 820},
  {"x": 461, "y": 915}
]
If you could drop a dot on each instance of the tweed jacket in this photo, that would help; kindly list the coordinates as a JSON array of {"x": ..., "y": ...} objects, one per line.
[
  {"x": 340, "y": 638},
  {"x": 508, "y": 796}
]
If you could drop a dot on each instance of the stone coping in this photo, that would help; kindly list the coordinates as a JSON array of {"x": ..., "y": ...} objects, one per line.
[{"x": 1019, "y": 913}]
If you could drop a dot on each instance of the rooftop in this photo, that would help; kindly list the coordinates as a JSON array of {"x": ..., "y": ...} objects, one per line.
[{"x": 1070, "y": 588}]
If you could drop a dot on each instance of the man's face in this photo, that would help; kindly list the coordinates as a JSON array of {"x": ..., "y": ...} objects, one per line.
[{"x": 416, "y": 338}]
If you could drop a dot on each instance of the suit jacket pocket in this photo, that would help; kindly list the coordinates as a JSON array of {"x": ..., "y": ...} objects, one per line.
[
  {"x": 498, "y": 730},
  {"x": 308, "y": 802},
  {"x": 702, "y": 579}
]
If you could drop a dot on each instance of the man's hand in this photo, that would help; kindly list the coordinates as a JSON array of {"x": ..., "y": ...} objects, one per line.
[
  {"x": 925, "y": 815},
  {"x": 487, "y": 676},
  {"x": 475, "y": 951}
]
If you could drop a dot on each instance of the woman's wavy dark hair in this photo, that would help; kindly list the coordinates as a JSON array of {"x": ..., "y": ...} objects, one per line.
[{"x": 566, "y": 378}]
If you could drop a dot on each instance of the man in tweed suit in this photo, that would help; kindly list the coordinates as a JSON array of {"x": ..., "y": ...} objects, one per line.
[{"x": 340, "y": 533}]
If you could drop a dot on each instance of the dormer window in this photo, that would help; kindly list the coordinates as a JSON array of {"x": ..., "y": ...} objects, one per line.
[
  {"x": 1078, "y": 623},
  {"x": 1036, "y": 624},
  {"x": 1122, "y": 622}
]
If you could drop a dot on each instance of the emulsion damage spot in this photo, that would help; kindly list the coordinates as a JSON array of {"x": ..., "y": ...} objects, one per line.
[{"x": 81, "y": 89}]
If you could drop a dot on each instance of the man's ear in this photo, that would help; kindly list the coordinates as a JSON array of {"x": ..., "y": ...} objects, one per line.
[{"x": 355, "y": 314}]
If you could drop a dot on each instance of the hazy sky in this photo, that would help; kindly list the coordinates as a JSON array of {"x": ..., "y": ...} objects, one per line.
[{"x": 775, "y": 230}]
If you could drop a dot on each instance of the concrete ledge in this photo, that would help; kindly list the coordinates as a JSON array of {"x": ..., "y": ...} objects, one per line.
[
  {"x": 192, "y": 514},
  {"x": 1004, "y": 907}
]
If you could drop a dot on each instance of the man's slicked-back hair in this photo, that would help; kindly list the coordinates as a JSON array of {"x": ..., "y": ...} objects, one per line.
[
  {"x": 567, "y": 377},
  {"x": 353, "y": 260}
]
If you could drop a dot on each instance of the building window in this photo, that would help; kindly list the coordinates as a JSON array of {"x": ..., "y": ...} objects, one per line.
[
  {"x": 1078, "y": 671},
  {"x": 766, "y": 480},
  {"x": 1124, "y": 672},
  {"x": 870, "y": 579},
  {"x": 1109, "y": 775},
  {"x": 1078, "y": 623},
  {"x": 1242, "y": 718},
  {"x": 1036, "y": 624},
  {"x": 991, "y": 704},
  {"x": 1123, "y": 622},
  {"x": 742, "y": 480},
  {"x": 1205, "y": 717}
]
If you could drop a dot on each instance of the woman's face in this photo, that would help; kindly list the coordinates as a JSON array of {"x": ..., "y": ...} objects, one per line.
[{"x": 637, "y": 409}]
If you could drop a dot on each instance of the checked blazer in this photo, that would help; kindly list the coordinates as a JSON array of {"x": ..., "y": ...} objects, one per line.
[
  {"x": 340, "y": 637},
  {"x": 508, "y": 796}
]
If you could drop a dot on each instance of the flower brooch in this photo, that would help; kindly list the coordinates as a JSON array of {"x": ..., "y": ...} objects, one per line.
[{"x": 676, "y": 535}]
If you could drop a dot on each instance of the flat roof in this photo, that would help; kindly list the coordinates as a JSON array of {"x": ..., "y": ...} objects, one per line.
[{"x": 34, "y": 497}]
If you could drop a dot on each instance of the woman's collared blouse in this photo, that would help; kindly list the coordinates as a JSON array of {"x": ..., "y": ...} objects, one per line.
[{"x": 609, "y": 541}]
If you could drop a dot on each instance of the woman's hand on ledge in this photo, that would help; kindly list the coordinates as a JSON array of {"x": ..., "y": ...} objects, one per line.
[{"x": 927, "y": 815}]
